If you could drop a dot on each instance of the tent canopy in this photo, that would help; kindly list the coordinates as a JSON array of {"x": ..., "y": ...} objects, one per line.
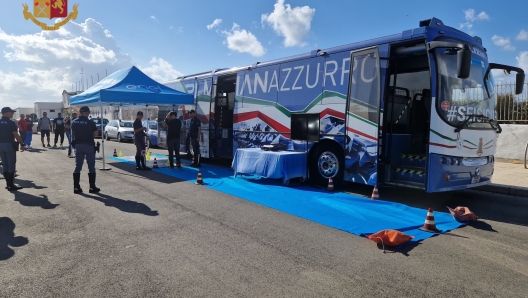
[{"x": 130, "y": 86}]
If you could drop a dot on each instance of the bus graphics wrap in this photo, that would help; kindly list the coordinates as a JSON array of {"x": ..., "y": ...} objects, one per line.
[{"x": 415, "y": 109}]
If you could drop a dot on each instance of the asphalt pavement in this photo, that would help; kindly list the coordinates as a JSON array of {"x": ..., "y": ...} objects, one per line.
[{"x": 150, "y": 235}]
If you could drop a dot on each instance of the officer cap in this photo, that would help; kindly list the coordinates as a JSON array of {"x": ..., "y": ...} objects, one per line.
[
  {"x": 7, "y": 110},
  {"x": 84, "y": 109}
]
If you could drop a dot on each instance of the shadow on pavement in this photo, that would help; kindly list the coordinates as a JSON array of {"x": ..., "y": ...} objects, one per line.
[
  {"x": 131, "y": 171},
  {"x": 482, "y": 225},
  {"x": 123, "y": 205},
  {"x": 402, "y": 250},
  {"x": 28, "y": 184},
  {"x": 8, "y": 239},
  {"x": 33, "y": 201}
]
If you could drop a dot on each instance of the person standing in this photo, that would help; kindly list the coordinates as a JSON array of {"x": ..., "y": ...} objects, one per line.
[
  {"x": 58, "y": 128},
  {"x": 195, "y": 131},
  {"x": 22, "y": 128},
  {"x": 29, "y": 134},
  {"x": 67, "y": 131},
  {"x": 8, "y": 147},
  {"x": 44, "y": 126},
  {"x": 83, "y": 131},
  {"x": 173, "y": 138},
  {"x": 139, "y": 141}
]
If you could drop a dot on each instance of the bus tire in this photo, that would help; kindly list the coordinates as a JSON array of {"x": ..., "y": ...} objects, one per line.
[{"x": 327, "y": 161}]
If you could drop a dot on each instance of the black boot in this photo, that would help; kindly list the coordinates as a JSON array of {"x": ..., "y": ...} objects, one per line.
[
  {"x": 93, "y": 188},
  {"x": 76, "y": 179},
  {"x": 138, "y": 163},
  {"x": 12, "y": 186},
  {"x": 144, "y": 168}
]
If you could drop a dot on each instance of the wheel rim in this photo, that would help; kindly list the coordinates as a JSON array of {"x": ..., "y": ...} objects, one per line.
[{"x": 328, "y": 164}]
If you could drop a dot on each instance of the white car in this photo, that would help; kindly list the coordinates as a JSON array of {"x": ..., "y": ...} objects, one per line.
[{"x": 119, "y": 130}]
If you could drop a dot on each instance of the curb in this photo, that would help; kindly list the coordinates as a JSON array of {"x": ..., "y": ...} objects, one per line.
[{"x": 504, "y": 189}]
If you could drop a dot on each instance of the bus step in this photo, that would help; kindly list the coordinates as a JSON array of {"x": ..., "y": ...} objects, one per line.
[
  {"x": 409, "y": 174},
  {"x": 413, "y": 160}
]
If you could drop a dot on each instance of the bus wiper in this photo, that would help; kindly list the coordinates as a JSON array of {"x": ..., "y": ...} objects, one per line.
[{"x": 493, "y": 123}]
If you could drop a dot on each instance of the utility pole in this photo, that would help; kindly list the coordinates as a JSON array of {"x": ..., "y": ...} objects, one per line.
[{"x": 82, "y": 78}]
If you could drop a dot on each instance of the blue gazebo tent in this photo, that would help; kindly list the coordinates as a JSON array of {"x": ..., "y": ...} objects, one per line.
[{"x": 129, "y": 86}]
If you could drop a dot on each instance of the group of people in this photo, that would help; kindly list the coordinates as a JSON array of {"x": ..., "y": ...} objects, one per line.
[{"x": 81, "y": 132}]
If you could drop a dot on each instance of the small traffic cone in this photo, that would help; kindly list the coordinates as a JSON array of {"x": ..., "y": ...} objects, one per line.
[
  {"x": 115, "y": 153},
  {"x": 199, "y": 178},
  {"x": 375, "y": 193},
  {"x": 430, "y": 224},
  {"x": 155, "y": 166},
  {"x": 120, "y": 153},
  {"x": 330, "y": 184}
]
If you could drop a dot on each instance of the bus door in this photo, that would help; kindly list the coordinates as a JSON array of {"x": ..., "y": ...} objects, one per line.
[
  {"x": 361, "y": 151},
  {"x": 222, "y": 119},
  {"x": 407, "y": 116}
]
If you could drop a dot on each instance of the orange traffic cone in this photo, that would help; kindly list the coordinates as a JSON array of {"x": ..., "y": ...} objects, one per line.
[
  {"x": 330, "y": 184},
  {"x": 155, "y": 166},
  {"x": 375, "y": 193},
  {"x": 430, "y": 224},
  {"x": 115, "y": 153},
  {"x": 199, "y": 178}
]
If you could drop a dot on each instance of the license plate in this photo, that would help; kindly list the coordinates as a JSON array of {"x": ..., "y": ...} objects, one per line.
[{"x": 475, "y": 179}]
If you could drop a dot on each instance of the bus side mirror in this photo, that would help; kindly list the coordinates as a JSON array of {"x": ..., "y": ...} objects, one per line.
[
  {"x": 463, "y": 63},
  {"x": 519, "y": 83}
]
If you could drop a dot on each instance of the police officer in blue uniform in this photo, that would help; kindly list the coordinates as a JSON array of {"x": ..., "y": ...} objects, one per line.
[
  {"x": 195, "y": 132},
  {"x": 83, "y": 131},
  {"x": 8, "y": 147}
]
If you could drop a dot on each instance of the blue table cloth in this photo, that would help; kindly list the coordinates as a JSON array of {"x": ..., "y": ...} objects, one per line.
[{"x": 271, "y": 164}]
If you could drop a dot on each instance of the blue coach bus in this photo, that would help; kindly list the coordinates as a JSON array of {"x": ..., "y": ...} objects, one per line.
[{"x": 414, "y": 109}]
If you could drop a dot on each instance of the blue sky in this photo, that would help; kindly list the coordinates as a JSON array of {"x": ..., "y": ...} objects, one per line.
[{"x": 169, "y": 38}]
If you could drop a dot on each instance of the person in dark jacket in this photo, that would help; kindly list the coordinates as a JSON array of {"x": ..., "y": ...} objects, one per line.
[
  {"x": 195, "y": 131},
  {"x": 8, "y": 147},
  {"x": 173, "y": 138},
  {"x": 83, "y": 131},
  {"x": 139, "y": 141}
]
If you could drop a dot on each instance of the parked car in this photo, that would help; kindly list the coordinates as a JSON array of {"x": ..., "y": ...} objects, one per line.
[
  {"x": 98, "y": 124},
  {"x": 152, "y": 132},
  {"x": 119, "y": 130}
]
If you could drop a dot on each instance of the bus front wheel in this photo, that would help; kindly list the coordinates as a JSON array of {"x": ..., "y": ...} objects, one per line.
[{"x": 327, "y": 161}]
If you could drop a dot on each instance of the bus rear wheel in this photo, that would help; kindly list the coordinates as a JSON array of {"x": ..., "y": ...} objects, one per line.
[{"x": 327, "y": 161}]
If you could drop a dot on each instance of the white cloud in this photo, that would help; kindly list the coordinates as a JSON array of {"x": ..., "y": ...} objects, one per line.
[
  {"x": 154, "y": 18},
  {"x": 160, "y": 70},
  {"x": 522, "y": 60},
  {"x": 523, "y": 35},
  {"x": 38, "y": 67},
  {"x": 293, "y": 24},
  {"x": 503, "y": 42},
  {"x": 215, "y": 23},
  {"x": 472, "y": 17},
  {"x": 243, "y": 41}
]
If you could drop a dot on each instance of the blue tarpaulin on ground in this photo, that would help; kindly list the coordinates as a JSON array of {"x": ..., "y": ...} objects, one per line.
[
  {"x": 351, "y": 213},
  {"x": 130, "y": 86}
]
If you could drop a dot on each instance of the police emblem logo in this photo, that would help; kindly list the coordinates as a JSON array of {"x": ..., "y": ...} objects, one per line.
[{"x": 50, "y": 9}]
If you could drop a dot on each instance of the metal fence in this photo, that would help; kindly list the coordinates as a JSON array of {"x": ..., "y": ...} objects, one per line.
[{"x": 511, "y": 108}]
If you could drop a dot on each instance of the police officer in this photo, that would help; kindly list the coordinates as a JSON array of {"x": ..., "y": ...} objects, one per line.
[
  {"x": 173, "y": 125},
  {"x": 8, "y": 134},
  {"x": 139, "y": 141},
  {"x": 195, "y": 131},
  {"x": 83, "y": 131}
]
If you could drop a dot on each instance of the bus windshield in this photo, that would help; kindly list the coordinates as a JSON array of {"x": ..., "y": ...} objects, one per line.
[{"x": 459, "y": 98}]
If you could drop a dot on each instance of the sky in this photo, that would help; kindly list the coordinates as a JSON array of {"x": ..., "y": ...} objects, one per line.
[{"x": 167, "y": 39}]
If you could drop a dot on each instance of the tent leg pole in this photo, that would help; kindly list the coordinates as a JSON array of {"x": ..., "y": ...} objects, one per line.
[{"x": 104, "y": 168}]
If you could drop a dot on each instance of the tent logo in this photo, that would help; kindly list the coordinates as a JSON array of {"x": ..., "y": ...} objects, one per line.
[
  {"x": 50, "y": 9},
  {"x": 150, "y": 88}
]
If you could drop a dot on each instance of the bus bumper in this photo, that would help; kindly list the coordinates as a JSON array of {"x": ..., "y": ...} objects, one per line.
[{"x": 447, "y": 173}]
